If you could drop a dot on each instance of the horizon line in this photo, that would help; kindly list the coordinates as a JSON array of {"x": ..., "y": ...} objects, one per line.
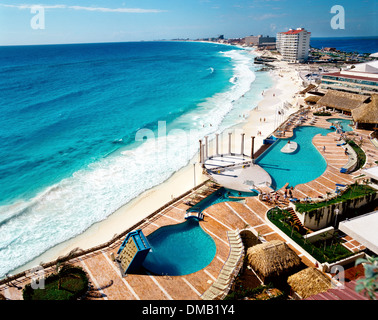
[{"x": 158, "y": 40}]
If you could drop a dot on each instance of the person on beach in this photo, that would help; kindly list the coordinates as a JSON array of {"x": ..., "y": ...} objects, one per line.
[{"x": 324, "y": 148}]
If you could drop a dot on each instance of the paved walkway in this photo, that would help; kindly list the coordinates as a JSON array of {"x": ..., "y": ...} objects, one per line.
[{"x": 219, "y": 218}]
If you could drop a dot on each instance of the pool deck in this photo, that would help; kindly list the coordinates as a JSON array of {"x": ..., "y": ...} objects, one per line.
[{"x": 222, "y": 217}]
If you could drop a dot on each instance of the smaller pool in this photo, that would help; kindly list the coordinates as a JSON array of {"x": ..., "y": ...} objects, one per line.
[
  {"x": 222, "y": 195},
  {"x": 345, "y": 123},
  {"x": 179, "y": 249}
]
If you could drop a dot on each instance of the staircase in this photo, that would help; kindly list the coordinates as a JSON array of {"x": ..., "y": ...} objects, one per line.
[{"x": 302, "y": 228}]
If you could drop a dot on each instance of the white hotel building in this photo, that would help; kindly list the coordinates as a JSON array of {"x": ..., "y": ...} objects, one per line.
[{"x": 294, "y": 45}]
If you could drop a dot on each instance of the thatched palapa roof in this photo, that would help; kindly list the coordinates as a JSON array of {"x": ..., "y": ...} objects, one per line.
[
  {"x": 368, "y": 112},
  {"x": 272, "y": 259},
  {"x": 312, "y": 99},
  {"x": 309, "y": 88},
  {"x": 309, "y": 282},
  {"x": 342, "y": 100}
]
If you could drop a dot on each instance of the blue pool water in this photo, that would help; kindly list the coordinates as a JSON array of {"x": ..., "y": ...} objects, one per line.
[
  {"x": 345, "y": 123},
  {"x": 179, "y": 249},
  {"x": 221, "y": 195},
  {"x": 302, "y": 166}
]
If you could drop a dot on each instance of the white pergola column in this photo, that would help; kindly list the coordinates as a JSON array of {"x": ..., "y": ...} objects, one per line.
[
  {"x": 229, "y": 142},
  {"x": 200, "y": 153},
  {"x": 242, "y": 144},
  {"x": 217, "y": 143},
  {"x": 206, "y": 147},
  {"x": 252, "y": 149}
]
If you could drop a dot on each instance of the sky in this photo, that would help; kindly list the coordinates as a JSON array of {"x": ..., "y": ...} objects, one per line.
[{"x": 88, "y": 21}]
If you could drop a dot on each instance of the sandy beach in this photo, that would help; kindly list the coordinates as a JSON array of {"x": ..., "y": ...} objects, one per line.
[{"x": 286, "y": 85}]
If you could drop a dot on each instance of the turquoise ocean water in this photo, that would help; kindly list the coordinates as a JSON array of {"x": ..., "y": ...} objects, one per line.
[{"x": 76, "y": 121}]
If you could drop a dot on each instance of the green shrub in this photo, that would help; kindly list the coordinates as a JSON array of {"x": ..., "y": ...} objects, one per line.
[
  {"x": 322, "y": 114},
  {"x": 323, "y": 251},
  {"x": 70, "y": 283},
  {"x": 361, "y": 156},
  {"x": 354, "y": 191}
]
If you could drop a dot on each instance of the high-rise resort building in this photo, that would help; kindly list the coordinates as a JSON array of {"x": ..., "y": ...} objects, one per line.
[
  {"x": 260, "y": 41},
  {"x": 361, "y": 78},
  {"x": 294, "y": 45}
]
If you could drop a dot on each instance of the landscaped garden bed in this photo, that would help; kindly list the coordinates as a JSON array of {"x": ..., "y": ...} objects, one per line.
[
  {"x": 322, "y": 114},
  {"x": 361, "y": 156},
  {"x": 354, "y": 191},
  {"x": 70, "y": 283},
  {"x": 260, "y": 292},
  {"x": 327, "y": 250}
]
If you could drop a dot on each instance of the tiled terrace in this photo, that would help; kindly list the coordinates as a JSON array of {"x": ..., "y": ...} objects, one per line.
[{"x": 220, "y": 218}]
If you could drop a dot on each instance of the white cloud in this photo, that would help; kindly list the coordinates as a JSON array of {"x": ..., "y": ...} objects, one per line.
[
  {"x": 98, "y": 9},
  {"x": 123, "y": 10},
  {"x": 269, "y": 16}
]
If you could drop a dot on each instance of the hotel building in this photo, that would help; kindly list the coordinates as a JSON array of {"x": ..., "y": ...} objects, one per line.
[
  {"x": 360, "y": 78},
  {"x": 294, "y": 45},
  {"x": 260, "y": 41}
]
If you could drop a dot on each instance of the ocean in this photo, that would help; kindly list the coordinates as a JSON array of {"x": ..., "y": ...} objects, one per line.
[
  {"x": 86, "y": 128},
  {"x": 347, "y": 44}
]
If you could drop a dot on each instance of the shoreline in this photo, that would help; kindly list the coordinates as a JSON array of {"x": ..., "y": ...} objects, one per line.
[{"x": 182, "y": 180}]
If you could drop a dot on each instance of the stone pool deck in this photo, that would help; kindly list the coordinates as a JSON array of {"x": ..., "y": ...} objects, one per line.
[{"x": 222, "y": 217}]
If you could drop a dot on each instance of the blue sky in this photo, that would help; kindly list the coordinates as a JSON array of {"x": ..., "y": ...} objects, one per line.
[{"x": 74, "y": 21}]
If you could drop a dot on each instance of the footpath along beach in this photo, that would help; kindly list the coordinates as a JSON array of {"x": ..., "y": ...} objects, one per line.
[{"x": 261, "y": 119}]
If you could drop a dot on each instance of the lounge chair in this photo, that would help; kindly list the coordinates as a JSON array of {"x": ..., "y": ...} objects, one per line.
[
  {"x": 222, "y": 282},
  {"x": 225, "y": 276},
  {"x": 208, "y": 295},
  {"x": 233, "y": 258},
  {"x": 236, "y": 252},
  {"x": 220, "y": 286},
  {"x": 228, "y": 267},
  {"x": 232, "y": 261}
]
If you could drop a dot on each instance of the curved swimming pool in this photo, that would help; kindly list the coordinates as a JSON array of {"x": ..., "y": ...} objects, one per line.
[
  {"x": 345, "y": 123},
  {"x": 179, "y": 249},
  {"x": 303, "y": 165},
  {"x": 221, "y": 195}
]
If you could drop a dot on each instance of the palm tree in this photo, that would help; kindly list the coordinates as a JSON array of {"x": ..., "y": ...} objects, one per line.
[
  {"x": 369, "y": 283},
  {"x": 286, "y": 215},
  {"x": 294, "y": 224},
  {"x": 327, "y": 194},
  {"x": 305, "y": 238},
  {"x": 324, "y": 236},
  {"x": 335, "y": 239}
]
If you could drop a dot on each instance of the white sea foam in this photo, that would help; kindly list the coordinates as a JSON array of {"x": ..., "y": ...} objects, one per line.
[{"x": 70, "y": 207}]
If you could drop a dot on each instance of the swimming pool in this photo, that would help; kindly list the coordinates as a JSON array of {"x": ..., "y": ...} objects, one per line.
[
  {"x": 301, "y": 166},
  {"x": 222, "y": 195},
  {"x": 345, "y": 123},
  {"x": 179, "y": 249}
]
